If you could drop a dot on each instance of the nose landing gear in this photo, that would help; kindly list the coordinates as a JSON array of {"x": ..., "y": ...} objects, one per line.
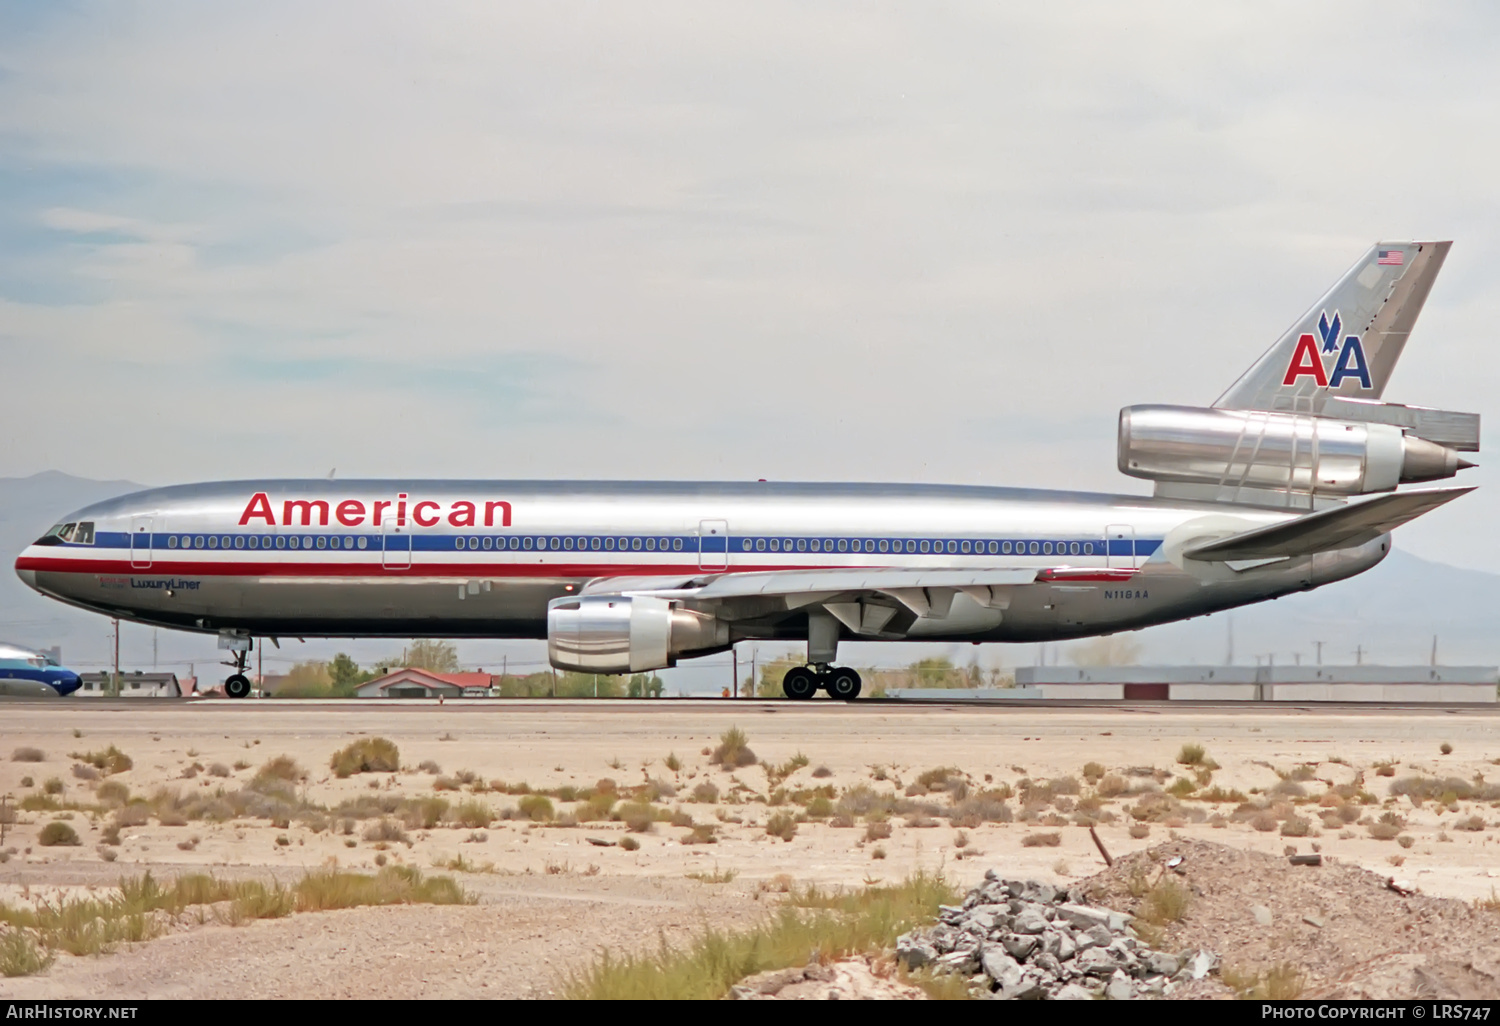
[{"x": 237, "y": 685}]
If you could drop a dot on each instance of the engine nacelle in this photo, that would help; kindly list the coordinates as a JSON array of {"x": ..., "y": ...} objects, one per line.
[
  {"x": 627, "y": 633},
  {"x": 1253, "y": 449}
]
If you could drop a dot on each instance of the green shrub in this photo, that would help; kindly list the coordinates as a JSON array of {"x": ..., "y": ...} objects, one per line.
[
  {"x": 473, "y": 813},
  {"x": 54, "y": 785},
  {"x": 57, "y": 834},
  {"x": 629, "y": 843},
  {"x": 638, "y": 817},
  {"x": 366, "y": 755},
  {"x": 782, "y": 825},
  {"x": 536, "y": 807}
]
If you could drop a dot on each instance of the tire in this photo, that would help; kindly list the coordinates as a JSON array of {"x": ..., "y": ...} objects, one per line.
[
  {"x": 799, "y": 684},
  {"x": 843, "y": 684},
  {"x": 237, "y": 686}
]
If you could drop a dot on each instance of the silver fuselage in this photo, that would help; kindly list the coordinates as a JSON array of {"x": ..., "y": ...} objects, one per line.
[{"x": 483, "y": 558}]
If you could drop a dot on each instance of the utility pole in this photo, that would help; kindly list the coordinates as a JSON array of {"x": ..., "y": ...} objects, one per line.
[
  {"x": 1359, "y": 655},
  {"x": 1319, "y": 646},
  {"x": 154, "y": 633},
  {"x": 754, "y": 680},
  {"x": 115, "y": 684},
  {"x": 1229, "y": 658},
  {"x": 734, "y": 670},
  {"x": 1434, "y": 650}
]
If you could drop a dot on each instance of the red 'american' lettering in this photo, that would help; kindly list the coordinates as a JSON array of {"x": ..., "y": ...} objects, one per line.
[{"x": 378, "y": 512}]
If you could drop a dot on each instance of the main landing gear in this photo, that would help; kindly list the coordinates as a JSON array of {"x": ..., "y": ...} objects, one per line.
[
  {"x": 237, "y": 685},
  {"x": 802, "y": 682}
]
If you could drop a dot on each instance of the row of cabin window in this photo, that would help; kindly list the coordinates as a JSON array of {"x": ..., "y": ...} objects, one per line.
[
  {"x": 917, "y": 545},
  {"x": 528, "y": 543},
  {"x": 595, "y": 544},
  {"x": 256, "y": 541}
]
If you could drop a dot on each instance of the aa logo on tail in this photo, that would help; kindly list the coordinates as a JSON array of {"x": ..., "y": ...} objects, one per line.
[{"x": 1307, "y": 358}]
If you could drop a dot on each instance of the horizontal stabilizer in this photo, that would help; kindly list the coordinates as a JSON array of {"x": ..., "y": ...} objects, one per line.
[{"x": 1336, "y": 528}]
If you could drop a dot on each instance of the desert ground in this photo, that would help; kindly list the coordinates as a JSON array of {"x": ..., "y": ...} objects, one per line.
[{"x": 851, "y": 791}]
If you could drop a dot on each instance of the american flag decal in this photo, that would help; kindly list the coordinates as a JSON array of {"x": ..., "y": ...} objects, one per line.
[{"x": 1391, "y": 257}]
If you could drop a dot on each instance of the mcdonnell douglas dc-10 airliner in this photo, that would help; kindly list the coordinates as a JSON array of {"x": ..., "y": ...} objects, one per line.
[{"x": 1252, "y": 501}]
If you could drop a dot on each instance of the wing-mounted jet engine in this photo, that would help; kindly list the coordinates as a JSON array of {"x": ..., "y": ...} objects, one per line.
[{"x": 1305, "y": 426}]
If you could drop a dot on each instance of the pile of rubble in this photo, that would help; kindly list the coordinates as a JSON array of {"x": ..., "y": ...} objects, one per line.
[{"x": 1023, "y": 939}]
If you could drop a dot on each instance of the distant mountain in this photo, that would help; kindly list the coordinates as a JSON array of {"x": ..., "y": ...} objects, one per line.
[{"x": 1391, "y": 613}]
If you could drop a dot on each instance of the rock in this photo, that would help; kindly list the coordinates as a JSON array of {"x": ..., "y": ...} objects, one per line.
[
  {"x": 914, "y": 952},
  {"x": 1072, "y": 992},
  {"x": 1099, "y": 936},
  {"x": 1084, "y": 916},
  {"x": 1201, "y": 964},
  {"x": 1095, "y": 962},
  {"x": 1119, "y": 988},
  {"x": 999, "y": 965},
  {"x": 1156, "y": 986},
  {"x": 1262, "y": 914},
  {"x": 1044, "y": 893},
  {"x": 1015, "y": 888},
  {"x": 1048, "y": 963},
  {"x": 984, "y": 918},
  {"x": 1163, "y": 963},
  {"x": 1028, "y": 922},
  {"x": 1312, "y": 920},
  {"x": 1020, "y": 946},
  {"x": 1066, "y": 949},
  {"x": 962, "y": 962},
  {"x": 1032, "y": 986},
  {"x": 990, "y": 876},
  {"x": 950, "y": 914}
]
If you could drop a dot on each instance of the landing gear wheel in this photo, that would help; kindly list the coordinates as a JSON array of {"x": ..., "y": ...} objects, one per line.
[
  {"x": 843, "y": 683},
  {"x": 237, "y": 686},
  {"x": 799, "y": 683}
]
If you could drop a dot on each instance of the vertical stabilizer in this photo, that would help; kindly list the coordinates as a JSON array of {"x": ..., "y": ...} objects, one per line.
[{"x": 1348, "y": 343}]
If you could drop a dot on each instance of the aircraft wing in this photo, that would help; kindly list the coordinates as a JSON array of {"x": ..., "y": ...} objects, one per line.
[{"x": 1335, "y": 528}]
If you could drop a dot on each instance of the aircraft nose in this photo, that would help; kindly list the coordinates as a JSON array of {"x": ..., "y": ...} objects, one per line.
[{"x": 28, "y": 576}]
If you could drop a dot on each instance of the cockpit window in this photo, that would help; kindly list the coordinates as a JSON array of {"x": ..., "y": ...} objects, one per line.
[{"x": 84, "y": 535}]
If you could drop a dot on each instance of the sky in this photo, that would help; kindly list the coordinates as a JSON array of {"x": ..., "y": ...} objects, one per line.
[{"x": 939, "y": 242}]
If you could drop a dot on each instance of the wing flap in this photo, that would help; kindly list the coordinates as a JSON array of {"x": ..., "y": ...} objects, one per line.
[
  {"x": 1335, "y": 528},
  {"x": 797, "y": 582}
]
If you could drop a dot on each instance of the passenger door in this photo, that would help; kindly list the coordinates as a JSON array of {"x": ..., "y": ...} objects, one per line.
[
  {"x": 140, "y": 542},
  {"x": 1120, "y": 545},
  {"x": 713, "y": 545},
  {"x": 395, "y": 547}
]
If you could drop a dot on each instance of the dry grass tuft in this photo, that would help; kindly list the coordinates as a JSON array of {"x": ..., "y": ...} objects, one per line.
[
  {"x": 1044, "y": 839},
  {"x": 1281, "y": 982},
  {"x": 1191, "y": 755},
  {"x": 831, "y": 924},
  {"x": 734, "y": 750},
  {"x": 110, "y": 761},
  {"x": 366, "y": 755},
  {"x": 28, "y": 754}
]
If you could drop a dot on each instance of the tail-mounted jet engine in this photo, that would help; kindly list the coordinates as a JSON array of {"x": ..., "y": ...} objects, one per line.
[
  {"x": 1282, "y": 451},
  {"x": 627, "y": 633}
]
